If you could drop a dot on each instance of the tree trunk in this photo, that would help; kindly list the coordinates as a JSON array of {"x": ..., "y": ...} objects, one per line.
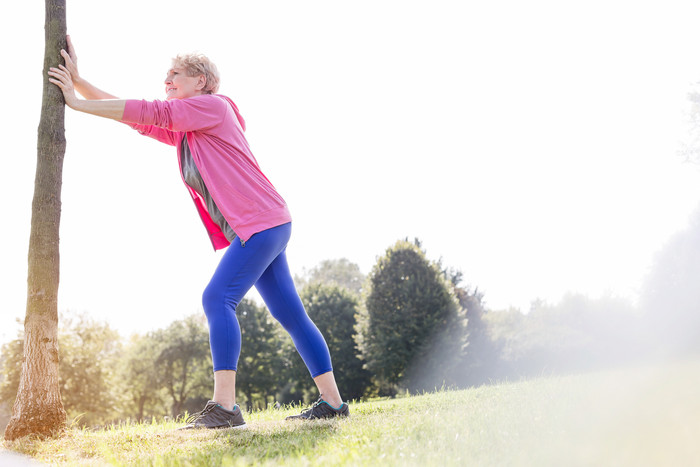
[
  {"x": 142, "y": 404},
  {"x": 38, "y": 408},
  {"x": 176, "y": 409}
]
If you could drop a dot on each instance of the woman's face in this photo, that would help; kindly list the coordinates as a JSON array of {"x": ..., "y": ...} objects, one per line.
[{"x": 180, "y": 86}]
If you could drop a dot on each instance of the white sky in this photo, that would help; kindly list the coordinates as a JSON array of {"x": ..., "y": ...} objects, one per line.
[{"x": 530, "y": 144}]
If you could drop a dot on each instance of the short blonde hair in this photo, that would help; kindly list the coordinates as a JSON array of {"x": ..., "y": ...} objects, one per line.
[{"x": 196, "y": 64}]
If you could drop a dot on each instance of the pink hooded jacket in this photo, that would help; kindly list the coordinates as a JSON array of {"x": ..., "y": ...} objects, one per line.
[{"x": 214, "y": 129}]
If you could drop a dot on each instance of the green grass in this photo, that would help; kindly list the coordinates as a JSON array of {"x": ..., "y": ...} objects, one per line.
[{"x": 640, "y": 416}]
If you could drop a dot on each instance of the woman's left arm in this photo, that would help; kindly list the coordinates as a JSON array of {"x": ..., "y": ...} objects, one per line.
[{"x": 109, "y": 108}]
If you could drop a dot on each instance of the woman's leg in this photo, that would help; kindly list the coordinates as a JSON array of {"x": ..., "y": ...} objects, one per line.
[
  {"x": 329, "y": 389},
  {"x": 225, "y": 388},
  {"x": 239, "y": 269},
  {"x": 279, "y": 293}
]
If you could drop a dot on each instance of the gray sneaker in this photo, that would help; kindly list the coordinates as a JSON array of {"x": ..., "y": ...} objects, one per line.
[
  {"x": 215, "y": 416},
  {"x": 321, "y": 409}
]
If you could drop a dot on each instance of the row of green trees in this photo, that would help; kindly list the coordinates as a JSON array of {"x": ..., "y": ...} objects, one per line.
[
  {"x": 380, "y": 330},
  {"x": 410, "y": 325}
]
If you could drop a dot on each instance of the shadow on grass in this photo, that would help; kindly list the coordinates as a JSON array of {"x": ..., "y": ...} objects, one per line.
[{"x": 264, "y": 441}]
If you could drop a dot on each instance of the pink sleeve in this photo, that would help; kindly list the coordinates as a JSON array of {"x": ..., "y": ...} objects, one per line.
[
  {"x": 192, "y": 114},
  {"x": 157, "y": 133}
]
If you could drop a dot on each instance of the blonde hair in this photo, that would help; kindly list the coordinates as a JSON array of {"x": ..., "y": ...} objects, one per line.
[{"x": 196, "y": 64}]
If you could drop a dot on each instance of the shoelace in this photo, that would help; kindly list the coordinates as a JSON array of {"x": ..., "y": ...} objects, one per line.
[
  {"x": 196, "y": 416},
  {"x": 316, "y": 404}
]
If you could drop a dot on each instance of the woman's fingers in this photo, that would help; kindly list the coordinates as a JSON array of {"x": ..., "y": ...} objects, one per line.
[
  {"x": 61, "y": 71},
  {"x": 61, "y": 75},
  {"x": 67, "y": 57},
  {"x": 71, "y": 49},
  {"x": 70, "y": 57},
  {"x": 70, "y": 64}
]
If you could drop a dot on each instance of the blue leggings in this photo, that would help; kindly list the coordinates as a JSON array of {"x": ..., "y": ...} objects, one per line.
[{"x": 262, "y": 262}]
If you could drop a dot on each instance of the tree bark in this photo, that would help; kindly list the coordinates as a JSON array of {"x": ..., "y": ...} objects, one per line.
[{"x": 38, "y": 408}]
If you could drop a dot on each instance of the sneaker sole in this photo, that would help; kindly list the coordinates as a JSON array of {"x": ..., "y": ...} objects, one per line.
[
  {"x": 228, "y": 427},
  {"x": 237, "y": 427},
  {"x": 334, "y": 417}
]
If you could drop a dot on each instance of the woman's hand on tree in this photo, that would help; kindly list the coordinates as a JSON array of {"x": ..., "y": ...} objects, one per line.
[{"x": 61, "y": 77}]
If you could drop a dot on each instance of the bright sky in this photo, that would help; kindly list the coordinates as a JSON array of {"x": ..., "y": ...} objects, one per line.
[{"x": 532, "y": 145}]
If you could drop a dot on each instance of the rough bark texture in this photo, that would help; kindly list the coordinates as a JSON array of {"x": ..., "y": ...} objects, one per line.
[{"x": 38, "y": 409}]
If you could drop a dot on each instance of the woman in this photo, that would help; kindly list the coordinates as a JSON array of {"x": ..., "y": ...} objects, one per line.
[{"x": 240, "y": 209}]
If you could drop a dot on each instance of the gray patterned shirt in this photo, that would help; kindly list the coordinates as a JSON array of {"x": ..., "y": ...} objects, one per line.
[{"x": 193, "y": 178}]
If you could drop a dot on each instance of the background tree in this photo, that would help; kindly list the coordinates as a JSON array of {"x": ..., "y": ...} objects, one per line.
[
  {"x": 340, "y": 272},
  {"x": 260, "y": 366},
  {"x": 89, "y": 355},
  {"x": 408, "y": 305},
  {"x": 140, "y": 394},
  {"x": 482, "y": 360},
  {"x": 38, "y": 408},
  {"x": 670, "y": 297},
  {"x": 576, "y": 334},
  {"x": 184, "y": 366},
  {"x": 293, "y": 384},
  {"x": 333, "y": 309},
  {"x": 444, "y": 361}
]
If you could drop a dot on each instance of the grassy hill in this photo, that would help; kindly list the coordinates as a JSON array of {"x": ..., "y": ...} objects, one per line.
[{"x": 640, "y": 416}]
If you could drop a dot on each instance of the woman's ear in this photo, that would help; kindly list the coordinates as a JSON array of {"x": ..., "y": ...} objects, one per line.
[{"x": 201, "y": 82}]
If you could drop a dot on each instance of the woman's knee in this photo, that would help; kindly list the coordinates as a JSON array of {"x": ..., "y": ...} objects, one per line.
[
  {"x": 213, "y": 298},
  {"x": 284, "y": 319},
  {"x": 292, "y": 316}
]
